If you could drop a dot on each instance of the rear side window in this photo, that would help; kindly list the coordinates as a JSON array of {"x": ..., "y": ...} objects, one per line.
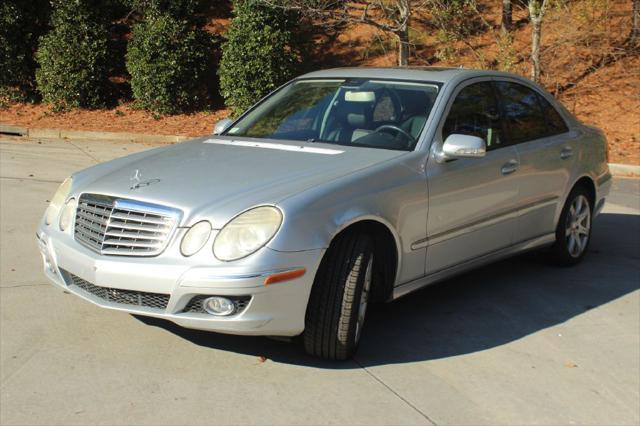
[
  {"x": 522, "y": 113},
  {"x": 474, "y": 112}
]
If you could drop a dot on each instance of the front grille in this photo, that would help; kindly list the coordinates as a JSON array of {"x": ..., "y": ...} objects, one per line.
[
  {"x": 122, "y": 227},
  {"x": 115, "y": 295},
  {"x": 195, "y": 304}
]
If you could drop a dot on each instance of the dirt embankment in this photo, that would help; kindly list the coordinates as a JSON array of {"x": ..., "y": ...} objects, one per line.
[{"x": 586, "y": 63}]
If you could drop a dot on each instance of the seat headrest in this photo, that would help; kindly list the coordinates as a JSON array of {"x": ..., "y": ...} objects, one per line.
[
  {"x": 353, "y": 114},
  {"x": 356, "y": 120}
]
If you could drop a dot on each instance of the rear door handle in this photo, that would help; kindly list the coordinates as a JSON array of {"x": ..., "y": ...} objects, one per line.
[
  {"x": 566, "y": 152},
  {"x": 510, "y": 167}
]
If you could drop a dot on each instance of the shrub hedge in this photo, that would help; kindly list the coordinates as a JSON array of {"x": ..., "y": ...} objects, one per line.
[
  {"x": 170, "y": 65},
  {"x": 74, "y": 56},
  {"x": 21, "y": 23},
  {"x": 264, "y": 49},
  {"x": 170, "y": 57}
]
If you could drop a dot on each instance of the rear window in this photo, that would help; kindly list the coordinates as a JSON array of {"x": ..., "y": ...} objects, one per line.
[
  {"x": 527, "y": 115},
  {"x": 522, "y": 113}
]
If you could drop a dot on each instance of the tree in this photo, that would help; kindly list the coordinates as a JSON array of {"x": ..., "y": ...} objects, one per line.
[
  {"x": 537, "y": 9},
  {"x": 506, "y": 16},
  {"x": 263, "y": 50},
  {"x": 21, "y": 23},
  {"x": 390, "y": 16},
  {"x": 74, "y": 56},
  {"x": 635, "y": 22}
]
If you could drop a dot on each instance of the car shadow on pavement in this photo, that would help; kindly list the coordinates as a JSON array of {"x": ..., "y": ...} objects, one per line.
[{"x": 479, "y": 310}]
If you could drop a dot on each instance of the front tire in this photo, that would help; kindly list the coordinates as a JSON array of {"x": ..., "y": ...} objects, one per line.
[
  {"x": 339, "y": 298},
  {"x": 573, "y": 233}
]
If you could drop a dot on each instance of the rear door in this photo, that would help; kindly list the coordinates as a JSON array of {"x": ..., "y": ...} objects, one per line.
[
  {"x": 546, "y": 150},
  {"x": 471, "y": 200}
]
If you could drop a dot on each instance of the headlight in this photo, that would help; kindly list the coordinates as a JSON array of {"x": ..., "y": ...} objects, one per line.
[
  {"x": 247, "y": 232},
  {"x": 67, "y": 215},
  {"x": 56, "y": 202},
  {"x": 195, "y": 238}
]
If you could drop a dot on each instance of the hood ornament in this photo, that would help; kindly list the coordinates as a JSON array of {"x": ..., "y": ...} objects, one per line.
[{"x": 137, "y": 182}]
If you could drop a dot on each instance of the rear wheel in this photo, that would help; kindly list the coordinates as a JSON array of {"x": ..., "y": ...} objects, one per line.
[
  {"x": 574, "y": 228},
  {"x": 340, "y": 297}
]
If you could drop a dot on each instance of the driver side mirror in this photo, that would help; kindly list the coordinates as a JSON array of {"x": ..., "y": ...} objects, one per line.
[
  {"x": 221, "y": 126},
  {"x": 461, "y": 146}
]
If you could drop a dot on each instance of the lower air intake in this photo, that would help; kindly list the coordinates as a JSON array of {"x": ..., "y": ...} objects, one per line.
[{"x": 157, "y": 301}]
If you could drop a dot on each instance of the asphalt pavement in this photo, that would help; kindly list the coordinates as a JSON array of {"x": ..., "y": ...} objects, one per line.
[{"x": 517, "y": 342}]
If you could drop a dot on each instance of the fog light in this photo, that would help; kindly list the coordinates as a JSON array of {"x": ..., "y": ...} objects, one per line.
[
  {"x": 48, "y": 263},
  {"x": 218, "y": 306},
  {"x": 67, "y": 215}
]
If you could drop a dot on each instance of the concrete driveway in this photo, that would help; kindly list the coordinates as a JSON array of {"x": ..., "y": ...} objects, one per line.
[{"x": 518, "y": 342}]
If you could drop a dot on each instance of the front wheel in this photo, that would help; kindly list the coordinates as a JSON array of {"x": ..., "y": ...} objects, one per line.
[
  {"x": 339, "y": 298},
  {"x": 574, "y": 228}
]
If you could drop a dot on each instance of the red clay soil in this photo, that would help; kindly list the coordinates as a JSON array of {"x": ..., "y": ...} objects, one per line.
[
  {"x": 610, "y": 100},
  {"x": 121, "y": 119},
  {"x": 603, "y": 93}
]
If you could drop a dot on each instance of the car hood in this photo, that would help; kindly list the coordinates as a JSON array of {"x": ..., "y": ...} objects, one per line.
[{"x": 216, "y": 178}]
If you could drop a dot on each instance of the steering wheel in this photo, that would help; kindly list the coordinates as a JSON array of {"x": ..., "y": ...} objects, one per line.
[{"x": 397, "y": 129}]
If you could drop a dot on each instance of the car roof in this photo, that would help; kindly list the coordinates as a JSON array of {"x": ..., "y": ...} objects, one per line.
[{"x": 433, "y": 74}]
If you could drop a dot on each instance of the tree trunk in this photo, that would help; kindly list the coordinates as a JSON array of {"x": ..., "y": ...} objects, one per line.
[
  {"x": 403, "y": 47},
  {"x": 404, "y": 15},
  {"x": 535, "y": 49},
  {"x": 506, "y": 16},
  {"x": 635, "y": 22},
  {"x": 536, "y": 13}
]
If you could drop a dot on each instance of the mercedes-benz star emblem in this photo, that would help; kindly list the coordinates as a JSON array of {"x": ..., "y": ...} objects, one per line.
[{"x": 137, "y": 182}]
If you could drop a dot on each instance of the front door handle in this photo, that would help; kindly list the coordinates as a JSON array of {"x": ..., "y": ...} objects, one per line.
[
  {"x": 566, "y": 152},
  {"x": 510, "y": 167}
]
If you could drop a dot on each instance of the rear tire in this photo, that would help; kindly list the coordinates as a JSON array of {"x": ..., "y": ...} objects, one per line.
[
  {"x": 339, "y": 298},
  {"x": 573, "y": 232}
]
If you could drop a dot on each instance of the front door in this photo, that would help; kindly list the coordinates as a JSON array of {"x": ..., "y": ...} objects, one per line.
[{"x": 471, "y": 200}]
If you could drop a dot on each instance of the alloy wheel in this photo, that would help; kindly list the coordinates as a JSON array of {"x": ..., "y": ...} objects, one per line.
[{"x": 578, "y": 226}]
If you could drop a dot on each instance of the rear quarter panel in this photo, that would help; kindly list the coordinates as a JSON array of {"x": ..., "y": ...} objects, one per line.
[{"x": 593, "y": 160}]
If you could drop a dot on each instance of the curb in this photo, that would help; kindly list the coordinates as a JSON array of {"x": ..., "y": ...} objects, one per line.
[
  {"x": 39, "y": 133},
  {"x": 628, "y": 170}
]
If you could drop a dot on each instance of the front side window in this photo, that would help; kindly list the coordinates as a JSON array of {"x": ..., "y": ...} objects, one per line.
[
  {"x": 522, "y": 113},
  {"x": 354, "y": 112},
  {"x": 474, "y": 112}
]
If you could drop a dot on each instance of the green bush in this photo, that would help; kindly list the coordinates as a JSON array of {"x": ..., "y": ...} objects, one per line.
[
  {"x": 74, "y": 56},
  {"x": 179, "y": 9},
  {"x": 21, "y": 23},
  {"x": 170, "y": 63},
  {"x": 262, "y": 51}
]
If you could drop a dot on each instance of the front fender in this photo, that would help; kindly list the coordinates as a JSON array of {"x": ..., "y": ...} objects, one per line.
[{"x": 393, "y": 194}]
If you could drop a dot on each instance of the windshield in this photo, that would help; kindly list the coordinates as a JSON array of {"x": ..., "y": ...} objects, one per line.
[{"x": 356, "y": 112}]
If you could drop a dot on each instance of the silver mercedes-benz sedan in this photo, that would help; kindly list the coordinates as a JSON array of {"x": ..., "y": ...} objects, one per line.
[{"x": 341, "y": 188}]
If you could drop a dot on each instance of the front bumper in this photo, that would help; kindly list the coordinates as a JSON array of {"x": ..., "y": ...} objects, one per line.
[{"x": 274, "y": 310}]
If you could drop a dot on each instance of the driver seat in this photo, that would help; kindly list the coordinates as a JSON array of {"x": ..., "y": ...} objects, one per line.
[{"x": 351, "y": 122}]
